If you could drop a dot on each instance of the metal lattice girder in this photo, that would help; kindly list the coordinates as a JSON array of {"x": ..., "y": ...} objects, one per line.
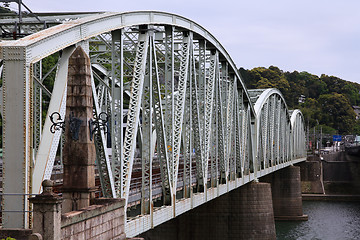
[
  {"x": 245, "y": 140},
  {"x": 264, "y": 133},
  {"x": 162, "y": 150},
  {"x": 208, "y": 106},
  {"x": 220, "y": 132},
  {"x": 229, "y": 121},
  {"x": 202, "y": 74},
  {"x": 102, "y": 158},
  {"x": 214, "y": 164},
  {"x": 196, "y": 127},
  {"x": 133, "y": 114},
  {"x": 187, "y": 134},
  {"x": 270, "y": 158},
  {"x": 179, "y": 108},
  {"x": 189, "y": 126},
  {"x": 169, "y": 92},
  {"x": 146, "y": 129},
  {"x": 283, "y": 135},
  {"x": 278, "y": 130},
  {"x": 117, "y": 89},
  {"x": 238, "y": 115},
  {"x": 231, "y": 143}
]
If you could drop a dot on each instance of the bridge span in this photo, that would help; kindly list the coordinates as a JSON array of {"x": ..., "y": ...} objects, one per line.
[{"x": 177, "y": 108}]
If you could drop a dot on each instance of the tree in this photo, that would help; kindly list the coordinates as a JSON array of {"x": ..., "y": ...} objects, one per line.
[
  {"x": 357, "y": 128},
  {"x": 337, "y": 112},
  {"x": 352, "y": 93},
  {"x": 271, "y": 77},
  {"x": 311, "y": 111},
  {"x": 328, "y": 101}
]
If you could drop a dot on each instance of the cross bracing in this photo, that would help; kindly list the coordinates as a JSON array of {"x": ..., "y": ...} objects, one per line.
[{"x": 183, "y": 127}]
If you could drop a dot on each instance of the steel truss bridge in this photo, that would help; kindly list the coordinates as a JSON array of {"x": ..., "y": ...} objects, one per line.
[{"x": 179, "y": 110}]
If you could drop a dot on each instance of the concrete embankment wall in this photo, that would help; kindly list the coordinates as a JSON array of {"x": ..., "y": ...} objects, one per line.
[
  {"x": 336, "y": 173},
  {"x": 341, "y": 177},
  {"x": 311, "y": 176}
]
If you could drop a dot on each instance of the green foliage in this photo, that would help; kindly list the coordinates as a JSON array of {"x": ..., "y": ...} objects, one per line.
[
  {"x": 337, "y": 112},
  {"x": 357, "y": 127},
  {"x": 328, "y": 130},
  {"x": 329, "y": 99},
  {"x": 8, "y": 238},
  {"x": 262, "y": 77},
  {"x": 311, "y": 111}
]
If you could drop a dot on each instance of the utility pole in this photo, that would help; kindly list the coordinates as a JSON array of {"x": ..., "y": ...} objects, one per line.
[
  {"x": 314, "y": 141},
  {"x": 320, "y": 137}
]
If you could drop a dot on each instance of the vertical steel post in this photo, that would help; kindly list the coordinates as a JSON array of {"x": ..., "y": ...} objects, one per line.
[
  {"x": 17, "y": 149},
  {"x": 117, "y": 89},
  {"x": 146, "y": 127},
  {"x": 169, "y": 97}
]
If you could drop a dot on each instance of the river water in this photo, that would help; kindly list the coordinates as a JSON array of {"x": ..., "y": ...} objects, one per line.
[{"x": 327, "y": 221}]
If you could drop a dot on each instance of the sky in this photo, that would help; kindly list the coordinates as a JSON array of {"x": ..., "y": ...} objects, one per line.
[{"x": 316, "y": 36}]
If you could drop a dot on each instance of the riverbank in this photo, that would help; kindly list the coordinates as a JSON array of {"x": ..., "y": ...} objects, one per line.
[{"x": 331, "y": 177}]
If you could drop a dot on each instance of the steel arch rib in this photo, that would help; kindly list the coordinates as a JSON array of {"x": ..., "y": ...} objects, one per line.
[
  {"x": 298, "y": 136},
  {"x": 49, "y": 41},
  {"x": 260, "y": 106}
]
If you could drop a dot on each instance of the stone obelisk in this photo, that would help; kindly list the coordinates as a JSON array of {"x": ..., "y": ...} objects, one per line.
[{"x": 79, "y": 151}]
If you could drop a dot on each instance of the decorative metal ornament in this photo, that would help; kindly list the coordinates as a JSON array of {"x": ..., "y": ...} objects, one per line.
[
  {"x": 98, "y": 124},
  {"x": 55, "y": 118}
]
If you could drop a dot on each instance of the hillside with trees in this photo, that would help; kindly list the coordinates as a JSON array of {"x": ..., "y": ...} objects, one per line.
[{"x": 324, "y": 100}]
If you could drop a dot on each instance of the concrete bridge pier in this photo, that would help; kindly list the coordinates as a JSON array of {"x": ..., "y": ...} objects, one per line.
[
  {"x": 286, "y": 193},
  {"x": 252, "y": 215},
  {"x": 244, "y": 213}
]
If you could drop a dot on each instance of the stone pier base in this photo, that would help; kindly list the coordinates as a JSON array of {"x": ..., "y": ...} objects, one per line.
[
  {"x": 255, "y": 212},
  {"x": 286, "y": 194},
  {"x": 244, "y": 213}
]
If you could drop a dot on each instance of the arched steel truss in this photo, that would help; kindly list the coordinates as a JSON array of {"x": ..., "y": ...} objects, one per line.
[
  {"x": 298, "y": 141},
  {"x": 177, "y": 105},
  {"x": 277, "y": 132}
]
